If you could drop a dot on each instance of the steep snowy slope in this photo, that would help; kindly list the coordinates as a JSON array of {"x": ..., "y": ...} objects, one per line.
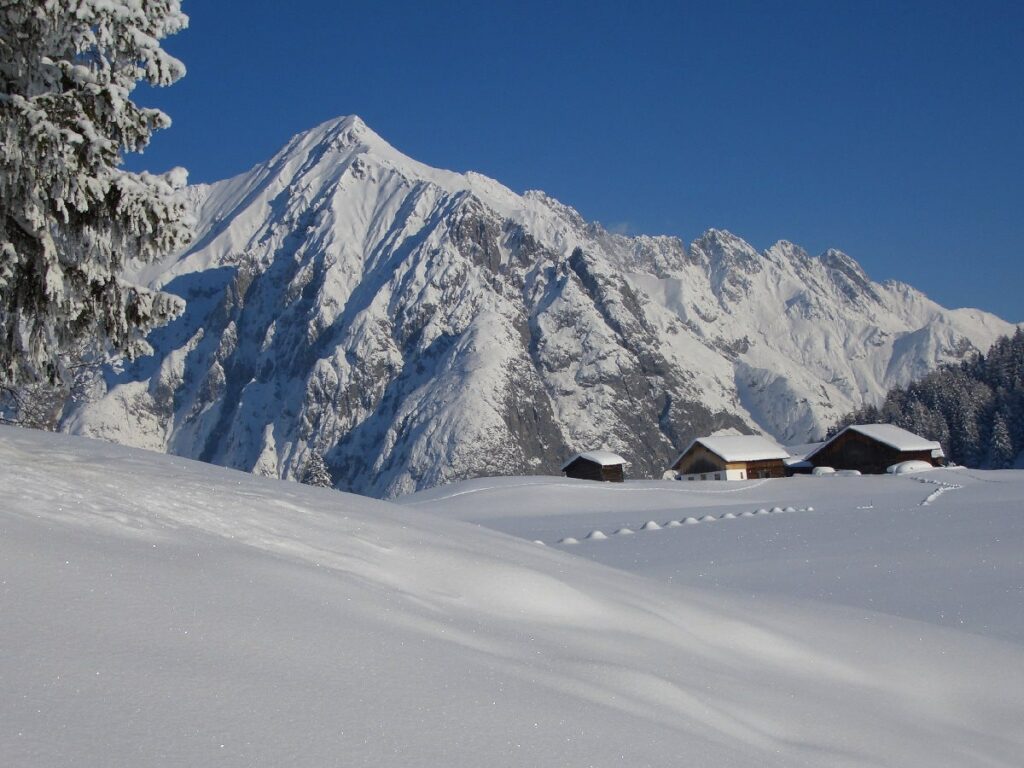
[
  {"x": 416, "y": 326},
  {"x": 158, "y": 611}
]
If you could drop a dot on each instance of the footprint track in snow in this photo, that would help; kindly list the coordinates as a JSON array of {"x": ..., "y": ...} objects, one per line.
[{"x": 653, "y": 525}]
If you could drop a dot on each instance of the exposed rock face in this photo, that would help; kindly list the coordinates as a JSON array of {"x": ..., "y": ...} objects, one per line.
[{"x": 415, "y": 326}]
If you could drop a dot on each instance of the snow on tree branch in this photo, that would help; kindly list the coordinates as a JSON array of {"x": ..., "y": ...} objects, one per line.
[{"x": 70, "y": 218}]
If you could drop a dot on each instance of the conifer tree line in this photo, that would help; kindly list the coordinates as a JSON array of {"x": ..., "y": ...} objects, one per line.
[{"x": 974, "y": 409}]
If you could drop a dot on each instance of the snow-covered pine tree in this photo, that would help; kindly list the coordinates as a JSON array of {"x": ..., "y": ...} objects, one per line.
[
  {"x": 1000, "y": 447},
  {"x": 316, "y": 473},
  {"x": 70, "y": 219},
  {"x": 40, "y": 404}
]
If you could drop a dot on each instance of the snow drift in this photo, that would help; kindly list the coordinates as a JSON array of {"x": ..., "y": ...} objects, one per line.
[{"x": 159, "y": 611}]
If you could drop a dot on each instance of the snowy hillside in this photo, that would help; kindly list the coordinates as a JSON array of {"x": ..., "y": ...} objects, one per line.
[
  {"x": 416, "y": 326},
  {"x": 159, "y": 611}
]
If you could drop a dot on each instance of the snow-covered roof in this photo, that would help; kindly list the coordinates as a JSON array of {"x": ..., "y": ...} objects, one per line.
[
  {"x": 803, "y": 450},
  {"x": 892, "y": 436},
  {"x": 739, "y": 448},
  {"x": 604, "y": 458}
]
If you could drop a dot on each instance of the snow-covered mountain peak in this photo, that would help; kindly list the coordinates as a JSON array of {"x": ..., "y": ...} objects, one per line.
[
  {"x": 413, "y": 325},
  {"x": 720, "y": 245},
  {"x": 785, "y": 251},
  {"x": 836, "y": 259}
]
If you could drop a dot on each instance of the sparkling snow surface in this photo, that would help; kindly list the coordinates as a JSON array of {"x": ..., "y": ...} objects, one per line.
[{"x": 158, "y": 611}]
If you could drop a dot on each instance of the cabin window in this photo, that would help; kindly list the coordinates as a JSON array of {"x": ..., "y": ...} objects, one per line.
[
  {"x": 703, "y": 477},
  {"x": 741, "y": 475},
  {"x": 718, "y": 475},
  {"x": 692, "y": 477}
]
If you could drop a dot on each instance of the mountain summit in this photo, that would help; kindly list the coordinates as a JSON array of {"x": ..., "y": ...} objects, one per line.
[{"x": 414, "y": 326}]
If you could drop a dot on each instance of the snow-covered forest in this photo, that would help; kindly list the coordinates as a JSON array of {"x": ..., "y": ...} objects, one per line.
[{"x": 975, "y": 408}]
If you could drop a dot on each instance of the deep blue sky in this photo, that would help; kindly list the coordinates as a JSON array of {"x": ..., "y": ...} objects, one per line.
[{"x": 891, "y": 130}]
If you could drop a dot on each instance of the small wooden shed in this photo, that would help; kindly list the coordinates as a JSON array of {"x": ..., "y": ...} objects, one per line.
[
  {"x": 871, "y": 448},
  {"x": 596, "y": 465},
  {"x": 731, "y": 457}
]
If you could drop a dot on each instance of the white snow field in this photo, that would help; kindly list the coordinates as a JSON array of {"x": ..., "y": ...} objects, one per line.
[
  {"x": 158, "y": 611},
  {"x": 944, "y": 547}
]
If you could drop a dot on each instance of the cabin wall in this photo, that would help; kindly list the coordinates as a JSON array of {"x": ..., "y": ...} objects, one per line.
[
  {"x": 766, "y": 468},
  {"x": 613, "y": 473},
  {"x": 722, "y": 474},
  {"x": 699, "y": 460}
]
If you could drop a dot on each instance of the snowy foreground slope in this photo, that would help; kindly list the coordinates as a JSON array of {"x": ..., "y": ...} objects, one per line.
[
  {"x": 158, "y": 611},
  {"x": 416, "y": 326}
]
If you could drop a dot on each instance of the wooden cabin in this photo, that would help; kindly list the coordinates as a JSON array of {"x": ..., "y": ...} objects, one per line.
[
  {"x": 731, "y": 457},
  {"x": 596, "y": 465},
  {"x": 871, "y": 448}
]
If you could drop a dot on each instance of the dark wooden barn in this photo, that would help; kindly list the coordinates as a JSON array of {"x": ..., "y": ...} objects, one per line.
[
  {"x": 731, "y": 457},
  {"x": 596, "y": 465},
  {"x": 871, "y": 448}
]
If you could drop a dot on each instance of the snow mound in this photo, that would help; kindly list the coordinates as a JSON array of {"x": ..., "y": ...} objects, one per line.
[
  {"x": 596, "y": 536},
  {"x": 569, "y": 540},
  {"x": 674, "y": 524},
  {"x": 819, "y": 471},
  {"x": 691, "y": 521},
  {"x": 650, "y": 525},
  {"x": 625, "y": 532},
  {"x": 729, "y": 516},
  {"x": 909, "y": 467}
]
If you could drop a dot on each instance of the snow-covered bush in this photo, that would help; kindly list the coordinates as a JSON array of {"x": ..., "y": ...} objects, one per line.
[{"x": 70, "y": 219}]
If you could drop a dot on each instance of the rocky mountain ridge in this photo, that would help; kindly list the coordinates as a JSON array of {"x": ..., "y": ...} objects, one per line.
[{"x": 415, "y": 326}]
